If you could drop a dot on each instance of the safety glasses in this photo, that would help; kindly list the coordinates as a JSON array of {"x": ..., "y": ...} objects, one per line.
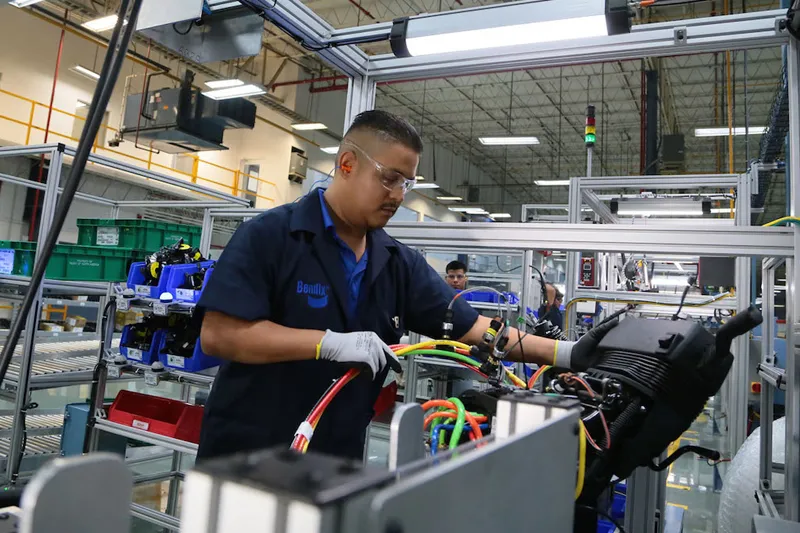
[{"x": 390, "y": 179}]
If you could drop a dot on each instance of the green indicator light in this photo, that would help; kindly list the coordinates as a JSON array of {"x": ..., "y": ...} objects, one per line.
[{"x": 590, "y": 138}]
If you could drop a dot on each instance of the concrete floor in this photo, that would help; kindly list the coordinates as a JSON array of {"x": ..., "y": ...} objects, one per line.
[{"x": 692, "y": 483}]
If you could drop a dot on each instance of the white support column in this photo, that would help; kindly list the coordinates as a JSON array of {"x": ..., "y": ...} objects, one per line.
[
  {"x": 575, "y": 203},
  {"x": 360, "y": 97},
  {"x": 792, "y": 463},
  {"x": 739, "y": 376}
]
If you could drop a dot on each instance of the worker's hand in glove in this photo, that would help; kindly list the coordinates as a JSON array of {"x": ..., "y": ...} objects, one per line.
[
  {"x": 581, "y": 355},
  {"x": 360, "y": 348}
]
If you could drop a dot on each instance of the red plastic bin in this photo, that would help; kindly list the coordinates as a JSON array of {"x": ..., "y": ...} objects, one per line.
[{"x": 163, "y": 416}]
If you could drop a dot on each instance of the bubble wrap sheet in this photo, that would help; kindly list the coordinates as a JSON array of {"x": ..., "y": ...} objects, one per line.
[{"x": 737, "y": 504}]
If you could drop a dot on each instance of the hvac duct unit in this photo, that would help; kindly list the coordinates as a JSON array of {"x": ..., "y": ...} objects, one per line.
[
  {"x": 673, "y": 153},
  {"x": 298, "y": 165},
  {"x": 181, "y": 120}
]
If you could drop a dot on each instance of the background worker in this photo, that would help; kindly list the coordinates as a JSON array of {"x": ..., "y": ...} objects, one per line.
[
  {"x": 456, "y": 275},
  {"x": 306, "y": 290},
  {"x": 551, "y": 309}
]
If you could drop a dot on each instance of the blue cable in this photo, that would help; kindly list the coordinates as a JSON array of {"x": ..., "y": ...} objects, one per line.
[{"x": 448, "y": 427}]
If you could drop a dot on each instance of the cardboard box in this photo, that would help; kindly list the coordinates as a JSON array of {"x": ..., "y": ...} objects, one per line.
[
  {"x": 75, "y": 321},
  {"x": 51, "y": 326}
]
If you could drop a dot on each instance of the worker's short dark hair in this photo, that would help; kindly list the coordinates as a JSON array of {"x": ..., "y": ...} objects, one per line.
[
  {"x": 559, "y": 295},
  {"x": 389, "y": 126},
  {"x": 456, "y": 265}
]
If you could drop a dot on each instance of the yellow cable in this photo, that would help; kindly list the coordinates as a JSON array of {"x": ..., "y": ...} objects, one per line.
[
  {"x": 782, "y": 220},
  {"x": 427, "y": 344},
  {"x": 581, "y": 459},
  {"x": 517, "y": 381}
]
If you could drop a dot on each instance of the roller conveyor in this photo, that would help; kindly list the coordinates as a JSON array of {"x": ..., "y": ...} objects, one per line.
[
  {"x": 37, "y": 424},
  {"x": 39, "y": 449},
  {"x": 57, "y": 364}
]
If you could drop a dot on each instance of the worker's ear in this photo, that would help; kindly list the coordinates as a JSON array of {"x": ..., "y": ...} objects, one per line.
[{"x": 346, "y": 163}]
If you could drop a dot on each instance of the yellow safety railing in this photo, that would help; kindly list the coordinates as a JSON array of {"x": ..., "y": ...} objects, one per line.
[{"x": 198, "y": 164}]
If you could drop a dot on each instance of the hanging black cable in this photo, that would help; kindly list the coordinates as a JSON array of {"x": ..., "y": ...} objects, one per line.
[{"x": 115, "y": 56}]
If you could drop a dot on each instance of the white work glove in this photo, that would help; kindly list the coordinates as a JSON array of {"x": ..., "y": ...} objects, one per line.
[{"x": 360, "y": 348}]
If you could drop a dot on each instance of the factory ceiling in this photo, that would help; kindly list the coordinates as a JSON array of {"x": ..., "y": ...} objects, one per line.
[{"x": 695, "y": 91}]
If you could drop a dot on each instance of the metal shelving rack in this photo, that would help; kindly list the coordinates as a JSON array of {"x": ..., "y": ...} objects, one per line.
[{"x": 58, "y": 359}]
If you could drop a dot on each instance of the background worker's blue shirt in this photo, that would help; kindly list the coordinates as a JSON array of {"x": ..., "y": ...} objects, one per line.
[{"x": 354, "y": 269}]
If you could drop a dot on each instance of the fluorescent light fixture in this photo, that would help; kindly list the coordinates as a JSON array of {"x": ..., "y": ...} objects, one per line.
[
  {"x": 420, "y": 178},
  {"x": 426, "y": 186},
  {"x": 449, "y": 198},
  {"x": 24, "y": 3},
  {"x": 103, "y": 23},
  {"x": 723, "y": 132},
  {"x": 216, "y": 5},
  {"x": 235, "y": 92},
  {"x": 551, "y": 183},
  {"x": 722, "y": 210},
  {"x": 508, "y": 141},
  {"x": 472, "y": 210},
  {"x": 89, "y": 73},
  {"x": 330, "y": 149},
  {"x": 669, "y": 281},
  {"x": 512, "y": 24},
  {"x": 499, "y": 215},
  {"x": 308, "y": 126},
  {"x": 223, "y": 84},
  {"x": 661, "y": 207}
]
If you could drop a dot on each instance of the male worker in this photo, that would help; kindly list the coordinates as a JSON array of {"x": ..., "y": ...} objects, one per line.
[
  {"x": 456, "y": 275},
  {"x": 551, "y": 309},
  {"x": 309, "y": 289}
]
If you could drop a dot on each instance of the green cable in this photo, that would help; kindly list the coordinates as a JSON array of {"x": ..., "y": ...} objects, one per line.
[
  {"x": 449, "y": 355},
  {"x": 461, "y": 417},
  {"x": 453, "y": 355}
]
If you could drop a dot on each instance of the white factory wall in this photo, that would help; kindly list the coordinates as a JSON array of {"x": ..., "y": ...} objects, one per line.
[
  {"x": 30, "y": 75},
  {"x": 269, "y": 145}
]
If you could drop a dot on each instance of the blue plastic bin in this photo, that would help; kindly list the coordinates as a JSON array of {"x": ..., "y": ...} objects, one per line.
[
  {"x": 141, "y": 356},
  {"x": 172, "y": 277},
  {"x": 197, "y": 362},
  {"x": 136, "y": 281},
  {"x": 176, "y": 275}
]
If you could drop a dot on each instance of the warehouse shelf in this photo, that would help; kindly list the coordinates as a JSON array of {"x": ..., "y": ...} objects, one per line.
[
  {"x": 52, "y": 336},
  {"x": 146, "y": 437},
  {"x": 38, "y": 449},
  {"x": 155, "y": 306},
  {"x": 176, "y": 376},
  {"x": 56, "y": 364},
  {"x": 70, "y": 303},
  {"x": 91, "y": 288}
]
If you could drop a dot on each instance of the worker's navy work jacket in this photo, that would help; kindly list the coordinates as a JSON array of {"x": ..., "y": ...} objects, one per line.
[{"x": 283, "y": 266}]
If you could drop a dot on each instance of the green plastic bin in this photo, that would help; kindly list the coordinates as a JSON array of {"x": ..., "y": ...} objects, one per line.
[
  {"x": 17, "y": 257},
  {"x": 89, "y": 263},
  {"x": 148, "y": 235}
]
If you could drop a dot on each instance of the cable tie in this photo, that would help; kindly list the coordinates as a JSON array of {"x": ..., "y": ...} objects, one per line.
[{"x": 305, "y": 429}]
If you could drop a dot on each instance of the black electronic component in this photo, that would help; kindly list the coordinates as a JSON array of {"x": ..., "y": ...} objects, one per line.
[{"x": 177, "y": 254}]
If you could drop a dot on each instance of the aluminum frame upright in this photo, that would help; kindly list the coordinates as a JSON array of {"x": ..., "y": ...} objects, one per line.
[
  {"x": 792, "y": 462},
  {"x": 581, "y": 191},
  {"x": 21, "y": 401}
]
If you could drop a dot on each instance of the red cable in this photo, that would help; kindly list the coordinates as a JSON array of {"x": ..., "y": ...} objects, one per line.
[
  {"x": 315, "y": 414},
  {"x": 476, "y": 429},
  {"x": 430, "y": 418}
]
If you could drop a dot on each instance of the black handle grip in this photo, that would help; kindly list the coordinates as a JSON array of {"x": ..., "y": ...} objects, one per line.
[{"x": 740, "y": 324}]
